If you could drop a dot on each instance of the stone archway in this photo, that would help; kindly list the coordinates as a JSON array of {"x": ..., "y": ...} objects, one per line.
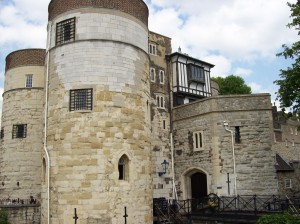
[{"x": 195, "y": 183}]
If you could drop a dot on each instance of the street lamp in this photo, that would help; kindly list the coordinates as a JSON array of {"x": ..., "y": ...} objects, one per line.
[{"x": 165, "y": 166}]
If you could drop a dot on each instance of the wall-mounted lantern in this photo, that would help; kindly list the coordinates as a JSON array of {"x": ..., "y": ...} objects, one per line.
[{"x": 165, "y": 166}]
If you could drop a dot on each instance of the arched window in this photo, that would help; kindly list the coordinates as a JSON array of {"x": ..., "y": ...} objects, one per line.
[
  {"x": 152, "y": 74},
  {"x": 123, "y": 167},
  {"x": 44, "y": 171},
  {"x": 161, "y": 77}
]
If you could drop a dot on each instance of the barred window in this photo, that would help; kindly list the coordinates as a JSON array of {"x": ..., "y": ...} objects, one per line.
[
  {"x": 65, "y": 31},
  {"x": 81, "y": 99},
  {"x": 28, "y": 83},
  {"x": 19, "y": 131}
]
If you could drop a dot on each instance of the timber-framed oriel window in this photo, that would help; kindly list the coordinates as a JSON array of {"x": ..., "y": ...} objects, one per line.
[
  {"x": 65, "y": 31},
  {"x": 195, "y": 73},
  {"x": 81, "y": 99},
  {"x": 19, "y": 131}
]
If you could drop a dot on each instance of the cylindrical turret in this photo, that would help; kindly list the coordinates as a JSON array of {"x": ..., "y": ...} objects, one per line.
[
  {"x": 98, "y": 129},
  {"x": 22, "y": 124}
]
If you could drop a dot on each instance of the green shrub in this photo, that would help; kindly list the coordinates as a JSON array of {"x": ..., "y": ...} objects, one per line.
[
  {"x": 284, "y": 218},
  {"x": 3, "y": 217}
]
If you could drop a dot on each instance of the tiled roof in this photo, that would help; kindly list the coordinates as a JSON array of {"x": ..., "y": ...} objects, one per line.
[{"x": 282, "y": 165}]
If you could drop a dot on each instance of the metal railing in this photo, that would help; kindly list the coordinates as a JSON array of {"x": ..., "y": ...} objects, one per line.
[{"x": 177, "y": 209}]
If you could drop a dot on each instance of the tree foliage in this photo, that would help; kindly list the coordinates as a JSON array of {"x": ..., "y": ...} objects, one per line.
[
  {"x": 232, "y": 85},
  {"x": 3, "y": 217},
  {"x": 289, "y": 82},
  {"x": 285, "y": 218}
]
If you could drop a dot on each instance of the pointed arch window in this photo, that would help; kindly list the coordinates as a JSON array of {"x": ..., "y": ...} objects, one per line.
[
  {"x": 161, "y": 77},
  {"x": 123, "y": 168},
  {"x": 152, "y": 74}
]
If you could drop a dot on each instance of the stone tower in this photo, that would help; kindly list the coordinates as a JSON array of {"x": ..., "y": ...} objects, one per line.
[
  {"x": 22, "y": 124},
  {"x": 98, "y": 122}
]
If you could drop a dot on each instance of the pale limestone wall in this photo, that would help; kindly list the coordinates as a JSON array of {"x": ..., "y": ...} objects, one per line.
[
  {"x": 16, "y": 78},
  {"x": 85, "y": 147},
  {"x": 160, "y": 135},
  {"x": 105, "y": 24},
  {"x": 254, "y": 157},
  {"x": 21, "y": 157}
]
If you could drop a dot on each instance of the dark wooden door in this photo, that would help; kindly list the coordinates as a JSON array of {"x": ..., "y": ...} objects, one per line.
[{"x": 199, "y": 185}]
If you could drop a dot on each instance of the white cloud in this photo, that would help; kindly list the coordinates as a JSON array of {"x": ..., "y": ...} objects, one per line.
[
  {"x": 16, "y": 30},
  {"x": 242, "y": 72},
  {"x": 222, "y": 65}
]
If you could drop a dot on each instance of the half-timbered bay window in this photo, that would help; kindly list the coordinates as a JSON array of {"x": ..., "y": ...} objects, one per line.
[
  {"x": 81, "y": 99},
  {"x": 65, "y": 31},
  {"x": 19, "y": 131},
  {"x": 195, "y": 73}
]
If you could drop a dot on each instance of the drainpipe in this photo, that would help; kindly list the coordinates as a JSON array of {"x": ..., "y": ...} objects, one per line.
[
  {"x": 45, "y": 122},
  {"x": 173, "y": 170},
  {"x": 233, "y": 155}
]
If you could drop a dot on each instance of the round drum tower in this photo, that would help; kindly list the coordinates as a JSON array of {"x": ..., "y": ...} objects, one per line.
[
  {"x": 98, "y": 126},
  {"x": 22, "y": 125}
]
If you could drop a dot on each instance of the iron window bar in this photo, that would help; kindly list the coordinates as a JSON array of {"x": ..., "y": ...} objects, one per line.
[
  {"x": 81, "y": 99},
  {"x": 65, "y": 31},
  {"x": 19, "y": 131}
]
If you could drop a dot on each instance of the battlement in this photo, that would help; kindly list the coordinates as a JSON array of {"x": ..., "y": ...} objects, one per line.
[
  {"x": 25, "y": 57},
  {"x": 136, "y": 8}
]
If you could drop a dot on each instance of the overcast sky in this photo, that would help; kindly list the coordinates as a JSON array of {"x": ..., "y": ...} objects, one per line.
[{"x": 239, "y": 37}]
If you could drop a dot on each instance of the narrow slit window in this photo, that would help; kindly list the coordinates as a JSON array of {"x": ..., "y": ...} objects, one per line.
[
  {"x": 237, "y": 135},
  {"x": 152, "y": 74},
  {"x": 198, "y": 140},
  {"x": 123, "y": 168},
  {"x": 161, "y": 77}
]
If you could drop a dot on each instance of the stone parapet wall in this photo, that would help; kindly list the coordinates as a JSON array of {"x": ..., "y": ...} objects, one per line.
[
  {"x": 254, "y": 157},
  {"x": 223, "y": 104},
  {"x": 26, "y": 57},
  {"x": 136, "y": 8}
]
